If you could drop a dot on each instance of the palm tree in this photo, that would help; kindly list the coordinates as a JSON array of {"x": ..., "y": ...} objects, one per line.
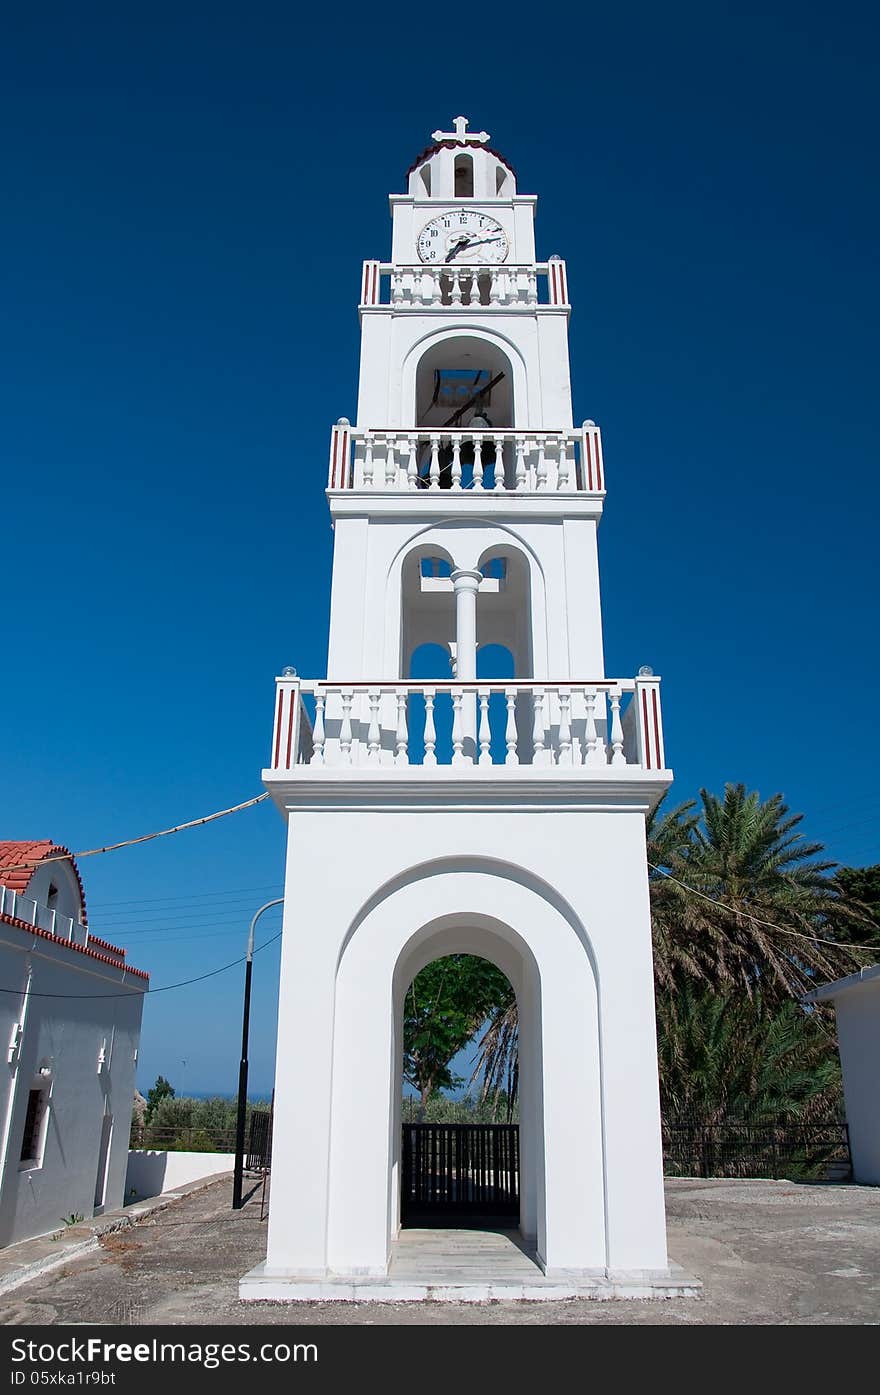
[
  {"x": 741, "y": 901},
  {"x": 766, "y": 938}
]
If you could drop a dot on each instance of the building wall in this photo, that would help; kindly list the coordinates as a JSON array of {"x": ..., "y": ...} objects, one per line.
[
  {"x": 64, "y": 1035},
  {"x": 566, "y": 891},
  {"x": 858, "y": 1033},
  {"x": 152, "y": 1172}
]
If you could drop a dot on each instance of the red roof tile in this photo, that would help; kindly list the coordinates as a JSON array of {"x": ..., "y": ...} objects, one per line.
[
  {"x": 451, "y": 145},
  {"x": 19, "y": 861},
  {"x": 115, "y": 963}
]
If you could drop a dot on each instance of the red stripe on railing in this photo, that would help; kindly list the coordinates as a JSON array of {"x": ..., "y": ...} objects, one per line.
[
  {"x": 656, "y": 725},
  {"x": 278, "y": 729},
  {"x": 334, "y": 439},
  {"x": 599, "y": 480},
  {"x": 365, "y": 281},
  {"x": 589, "y": 453},
  {"x": 344, "y": 480},
  {"x": 289, "y": 727},
  {"x": 375, "y": 288},
  {"x": 563, "y": 283},
  {"x": 646, "y": 752}
]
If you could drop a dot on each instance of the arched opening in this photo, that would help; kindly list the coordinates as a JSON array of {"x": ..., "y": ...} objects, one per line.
[
  {"x": 500, "y": 179},
  {"x": 425, "y": 173},
  {"x": 464, "y": 176},
  {"x": 465, "y": 385},
  {"x": 460, "y": 1114}
]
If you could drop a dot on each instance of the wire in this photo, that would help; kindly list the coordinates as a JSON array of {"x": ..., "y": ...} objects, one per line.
[
  {"x": 735, "y": 910},
  {"x": 184, "y": 983},
  {"x": 145, "y": 837},
  {"x": 190, "y": 896}
]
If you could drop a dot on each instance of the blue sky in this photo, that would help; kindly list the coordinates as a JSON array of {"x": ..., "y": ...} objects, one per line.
[{"x": 189, "y": 192}]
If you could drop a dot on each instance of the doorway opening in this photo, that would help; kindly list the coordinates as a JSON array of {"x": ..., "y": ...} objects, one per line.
[{"x": 460, "y": 1144}]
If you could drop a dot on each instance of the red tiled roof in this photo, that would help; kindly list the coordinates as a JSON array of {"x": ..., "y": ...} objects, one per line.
[
  {"x": 116, "y": 962},
  {"x": 451, "y": 145},
  {"x": 19, "y": 861}
]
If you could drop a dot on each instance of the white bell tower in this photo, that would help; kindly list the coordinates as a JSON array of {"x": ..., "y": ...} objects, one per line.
[{"x": 466, "y": 779}]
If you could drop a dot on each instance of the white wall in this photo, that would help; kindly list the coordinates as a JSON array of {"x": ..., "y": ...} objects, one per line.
[
  {"x": 858, "y": 1034},
  {"x": 64, "y": 1036},
  {"x": 599, "y": 1203},
  {"x": 150, "y": 1173}
]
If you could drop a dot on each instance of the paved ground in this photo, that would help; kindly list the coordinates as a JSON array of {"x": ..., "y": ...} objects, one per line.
[{"x": 767, "y": 1252}]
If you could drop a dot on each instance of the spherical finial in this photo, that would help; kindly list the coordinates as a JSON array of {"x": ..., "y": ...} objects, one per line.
[
  {"x": 343, "y": 421},
  {"x": 288, "y": 671},
  {"x": 646, "y": 671}
]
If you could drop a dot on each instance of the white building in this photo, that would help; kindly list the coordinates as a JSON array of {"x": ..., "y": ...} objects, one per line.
[
  {"x": 856, "y": 999},
  {"x": 70, "y": 1019},
  {"x": 453, "y": 814}
]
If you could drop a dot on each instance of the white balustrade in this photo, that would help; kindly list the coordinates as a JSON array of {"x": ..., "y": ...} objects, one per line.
[
  {"x": 491, "y": 459},
  {"x": 505, "y": 286},
  {"x": 476, "y": 724}
]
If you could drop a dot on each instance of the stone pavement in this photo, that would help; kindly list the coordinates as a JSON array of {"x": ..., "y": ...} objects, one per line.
[{"x": 767, "y": 1252}]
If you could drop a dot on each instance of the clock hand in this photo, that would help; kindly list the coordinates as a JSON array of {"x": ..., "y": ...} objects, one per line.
[{"x": 453, "y": 251}]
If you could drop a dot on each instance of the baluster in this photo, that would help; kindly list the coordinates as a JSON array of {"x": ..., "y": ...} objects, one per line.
[
  {"x": 390, "y": 463},
  {"x": 510, "y": 730},
  {"x": 595, "y": 754},
  {"x": 520, "y": 477},
  {"x": 402, "y": 733},
  {"x": 577, "y": 695},
  {"x": 430, "y": 733},
  {"x": 532, "y": 293},
  {"x": 318, "y": 737},
  {"x": 617, "y": 757},
  {"x": 434, "y": 471},
  {"x": 455, "y": 296},
  {"x": 368, "y": 461},
  {"x": 564, "y": 471},
  {"x": 495, "y": 276},
  {"x": 485, "y": 732},
  {"x": 499, "y": 462},
  {"x": 412, "y": 469},
  {"x": 565, "y": 757},
  {"x": 345, "y": 729},
  {"x": 458, "y": 757},
  {"x": 538, "y": 728},
  {"x": 456, "y": 462},
  {"x": 541, "y": 481},
  {"x": 478, "y": 462},
  {"x": 436, "y": 287},
  {"x": 426, "y": 287},
  {"x": 397, "y": 288},
  {"x": 373, "y": 734}
]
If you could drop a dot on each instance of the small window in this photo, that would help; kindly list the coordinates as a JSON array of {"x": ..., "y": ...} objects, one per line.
[
  {"x": 500, "y": 178},
  {"x": 426, "y": 178},
  {"x": 34, "y": 1137},
  {"x": 52, "y": 898},
  {"x": 464, "y": 177}
]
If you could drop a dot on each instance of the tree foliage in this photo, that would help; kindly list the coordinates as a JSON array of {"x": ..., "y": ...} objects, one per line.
[
  {"x": 162, "y": 1090},
  {"x": 447, "y": 1002}
]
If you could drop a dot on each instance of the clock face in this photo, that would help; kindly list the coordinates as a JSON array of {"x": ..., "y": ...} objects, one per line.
[{"x": 463, "y": 237}]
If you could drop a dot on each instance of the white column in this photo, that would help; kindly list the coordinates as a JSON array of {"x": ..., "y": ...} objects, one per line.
[{"x": 466, "y": 584}]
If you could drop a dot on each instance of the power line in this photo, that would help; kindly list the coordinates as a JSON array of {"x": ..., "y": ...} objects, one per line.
[
  {"x": 184, "y": 983},
  {"x": 189, "y": 896},
  {"x": 145, "y": 837},
  {"x": 736, "y": 910}
]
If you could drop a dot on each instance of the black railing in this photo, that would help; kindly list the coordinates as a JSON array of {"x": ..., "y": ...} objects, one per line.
[
  {"x": 817, "y": 1151},
  {"x": 259, "y": 1152},
  {"x": 460, "y": 1170}
]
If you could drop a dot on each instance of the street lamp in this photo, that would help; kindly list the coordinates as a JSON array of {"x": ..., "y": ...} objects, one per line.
[{"x": 243, "y": 1065}]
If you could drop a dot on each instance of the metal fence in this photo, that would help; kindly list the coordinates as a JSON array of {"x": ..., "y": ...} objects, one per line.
[
  {"x": 460, "y": 1169},
  {"x": 818, "y": 1151}
]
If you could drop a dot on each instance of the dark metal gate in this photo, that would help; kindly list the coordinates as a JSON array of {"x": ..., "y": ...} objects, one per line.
[{"x": 463, "y": 1170}]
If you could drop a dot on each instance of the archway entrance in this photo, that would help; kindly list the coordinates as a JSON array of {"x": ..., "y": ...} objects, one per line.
[{"x": 460, "y": 1152}]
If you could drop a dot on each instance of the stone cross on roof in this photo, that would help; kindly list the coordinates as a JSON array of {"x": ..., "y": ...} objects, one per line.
[{"x": 461, "y": 133}]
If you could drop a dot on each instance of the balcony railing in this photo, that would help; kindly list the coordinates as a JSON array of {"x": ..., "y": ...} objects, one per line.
[
  {"x": 434, "y": 287},
  {"x": 524, "y": 462},
  {"x": 595, "y": 727},
  {"x": 24, "y": 908}
]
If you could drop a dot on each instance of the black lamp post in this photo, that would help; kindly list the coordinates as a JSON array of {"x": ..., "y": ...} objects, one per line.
[{"x": 238, "y": 1175}]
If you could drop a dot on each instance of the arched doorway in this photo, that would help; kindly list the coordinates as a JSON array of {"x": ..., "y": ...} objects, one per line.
[{"x": 460, "y": 1153}]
